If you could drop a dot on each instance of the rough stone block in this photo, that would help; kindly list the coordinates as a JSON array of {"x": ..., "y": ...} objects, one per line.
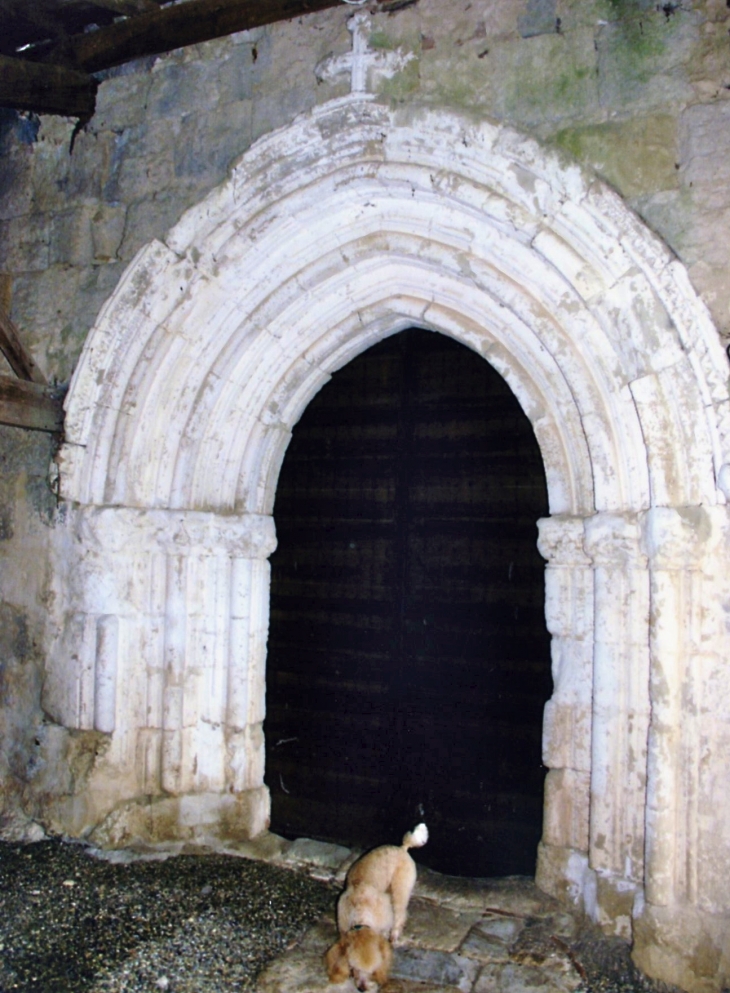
[
  {"x": 107, "y": 231},
  {"x": 24, "y": 243},
  {"x": 511, "y": 895},
  {"x": 567, "y": 808},
  {"x": 539, "y": 18},
  {"x": 70, "y": 238},
  {"x": 704, "y": 151},
  {"x": 303, "y": 970},
  {"x": 563, "y": 873},
  {"x": 320, "y": 856},
  {"x": 176, "y": 87},
  {"x": 614, "y": 906},
  {"x": 427, "y": 966},
  {"x": 526, "y": 979},
  {"x": 16, "y": 198},
  {"x": 432, "y": 926},
  {"x": 94, "y": 167},
  {"x": 566, "y": 734},
  {"x": 543, "y": 78},
  {"x": 236, "y": 74},
  {"x": 642, "y": 59},
  {"x": 637, "y": 156},
  {"x": 490, "y": 938},
  {"x": 195, "y": 818}
]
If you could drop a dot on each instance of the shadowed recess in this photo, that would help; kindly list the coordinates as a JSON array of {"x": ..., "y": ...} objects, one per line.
[{"x": 408, "y": 660}]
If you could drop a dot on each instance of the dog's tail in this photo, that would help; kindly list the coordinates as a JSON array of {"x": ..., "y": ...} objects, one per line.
[{"x": 415, "y": 838}]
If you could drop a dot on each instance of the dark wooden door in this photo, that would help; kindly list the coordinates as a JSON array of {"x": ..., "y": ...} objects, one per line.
[{"x": 408, "y": 660}]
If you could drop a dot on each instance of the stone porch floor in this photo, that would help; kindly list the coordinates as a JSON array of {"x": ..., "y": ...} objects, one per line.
[{"x": 476, "y": 936}]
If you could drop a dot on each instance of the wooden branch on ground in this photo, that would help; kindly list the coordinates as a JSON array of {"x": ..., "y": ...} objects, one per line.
[
  {"x": 175, "y": 27},
  {"x": 28, "y": 405},
  {"x": 10, "y": 345},
  {"x": 46, "y": 89}
]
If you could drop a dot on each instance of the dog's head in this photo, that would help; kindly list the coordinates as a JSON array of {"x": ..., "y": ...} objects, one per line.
[{"x": 362, "y": 954}]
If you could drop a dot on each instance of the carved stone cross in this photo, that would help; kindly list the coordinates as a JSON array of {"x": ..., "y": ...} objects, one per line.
[{"x": 362, "y": 59}]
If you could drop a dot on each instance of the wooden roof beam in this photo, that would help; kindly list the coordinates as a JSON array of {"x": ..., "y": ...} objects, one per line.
[
  {"x": 174, "y": 27},
  {"x": 46, "y": 89},
  {"x": 126, "y": 8},
  {"x": 18, "y": 359},
  {"x": 28, "y": 405}
]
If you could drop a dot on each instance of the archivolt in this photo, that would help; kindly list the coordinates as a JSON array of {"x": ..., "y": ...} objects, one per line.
[{"x": 356, "y": 222}]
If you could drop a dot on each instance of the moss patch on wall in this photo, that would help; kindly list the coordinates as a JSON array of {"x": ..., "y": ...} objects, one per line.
[{"x": 636, "y": 156}]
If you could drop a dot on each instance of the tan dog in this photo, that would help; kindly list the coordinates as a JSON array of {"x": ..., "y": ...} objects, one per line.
[
  {"x": 379, "y": 886},
  {"x": 373, "y": 908},
  {"x": 362, "y": 954}
]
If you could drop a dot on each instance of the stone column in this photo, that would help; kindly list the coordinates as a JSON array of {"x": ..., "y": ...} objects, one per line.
[
  {"x": 620, "y": 716},
  {"x": 168, "y": 614},
  {"x": 675, "y": 541},
  {"x": 563, "y": 854},
  {"x": 682, "y": 933}
]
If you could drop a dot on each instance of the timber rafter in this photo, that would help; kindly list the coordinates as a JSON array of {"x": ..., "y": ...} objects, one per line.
[
  {"x": 16, "y": 356},
  {"x": 29, "y": 405},
  {"x": 70, "y": 40},
  {"x": 46, "y": 89},
  {"x": 172, "y": 27},
  {"x": 26, "y": 402}
]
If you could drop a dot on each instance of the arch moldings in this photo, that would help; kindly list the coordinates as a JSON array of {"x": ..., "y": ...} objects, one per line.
[{"x": 351, "y": 224}]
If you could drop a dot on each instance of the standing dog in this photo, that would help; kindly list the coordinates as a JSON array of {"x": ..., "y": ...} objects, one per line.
[{"x": 372, "y": 909}]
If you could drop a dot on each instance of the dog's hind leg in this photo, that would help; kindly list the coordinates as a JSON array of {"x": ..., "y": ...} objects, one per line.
[{"x": 401, "y": 887}]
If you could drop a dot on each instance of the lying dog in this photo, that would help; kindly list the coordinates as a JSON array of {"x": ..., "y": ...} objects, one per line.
[{"x": 373, "y": 908}]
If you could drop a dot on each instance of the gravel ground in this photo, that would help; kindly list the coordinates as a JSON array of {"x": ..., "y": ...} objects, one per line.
[{"x": 70, "y": 922}]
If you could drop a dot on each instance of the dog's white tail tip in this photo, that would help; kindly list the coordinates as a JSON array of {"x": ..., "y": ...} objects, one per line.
[{"x": 417, "y": 837}]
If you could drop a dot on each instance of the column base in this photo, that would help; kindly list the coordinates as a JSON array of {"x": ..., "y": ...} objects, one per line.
[
  {"x": 684, "y": 947},
  {"x": 196, "y": 818}
]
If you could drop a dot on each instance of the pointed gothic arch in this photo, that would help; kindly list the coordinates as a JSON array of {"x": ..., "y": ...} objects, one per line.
[{"x": 353, "y": 223}]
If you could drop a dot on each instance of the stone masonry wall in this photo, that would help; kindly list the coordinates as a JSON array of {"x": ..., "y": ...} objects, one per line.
[{"x": 636, "y": 90}]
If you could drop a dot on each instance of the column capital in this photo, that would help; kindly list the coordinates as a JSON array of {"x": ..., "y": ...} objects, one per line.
[
  {"x": 677, "y": 537},
  {"x": 173, "y": 532},
  {"x": 613, "y": 541},
  {"x": 560, "y": 541}
]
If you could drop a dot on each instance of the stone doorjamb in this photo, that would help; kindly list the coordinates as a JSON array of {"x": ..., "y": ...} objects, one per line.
[{"x": 355, "y": 222}]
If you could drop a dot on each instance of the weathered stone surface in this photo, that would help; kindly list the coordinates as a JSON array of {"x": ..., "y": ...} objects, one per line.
[
  {"x": 321, "y": 858},
  {"x": 636, "y": 156},
  {"x": 303, "y": 973},
  {"x": 516, "y": 895},
  {"x": 485, "y": 947},
  {"x": 513, "y": 978},
  {"x": 433, "y": 926},
  {"x": 437, "y": 968},
  {"x": 26, "y": 502},
  {"x": 491, "y": 938},
  {"x": 539, "y": 18},
  {"x": 643, "y": 59}
]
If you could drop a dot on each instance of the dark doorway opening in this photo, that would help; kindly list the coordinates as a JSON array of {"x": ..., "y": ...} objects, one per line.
[{"x": 408, "y": 659}]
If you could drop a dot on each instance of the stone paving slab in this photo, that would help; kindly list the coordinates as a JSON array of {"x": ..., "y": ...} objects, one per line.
[
  {"x": 321, "y": 859},
  {"x": 485, "y": 948},
  {"x": 441, "y": 928},
  {"x": 516, "y": 895},
  {"x": 298, "y": 971},
  {"x": 516, "y": 978},
  {"x": 499, "y": 928},
  {"x": 402, "y": 986},
  {"x": 437, "y": 968}
]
